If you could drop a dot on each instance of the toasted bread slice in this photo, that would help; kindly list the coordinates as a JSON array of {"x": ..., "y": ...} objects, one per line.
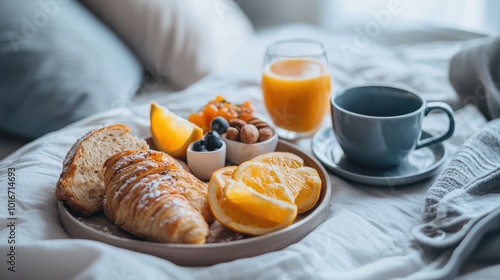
[{"x": 81, "y": 183}]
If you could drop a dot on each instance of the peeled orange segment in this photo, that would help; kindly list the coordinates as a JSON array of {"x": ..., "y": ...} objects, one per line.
[
  {"x": 281, "y": 159},
  {"x": 301, "y": 185},
  {"x": 229, "y": 213},
  {"x": 171, "y": 133},
  {"x": 257, "y": 204}
]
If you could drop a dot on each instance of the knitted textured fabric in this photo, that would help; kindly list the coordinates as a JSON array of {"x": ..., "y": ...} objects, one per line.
[
  {"x": 471, "y": 182},
  {"x": 467, "y": 190}
]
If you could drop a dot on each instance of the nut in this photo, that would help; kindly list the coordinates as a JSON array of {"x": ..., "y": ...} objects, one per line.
[
  {"x": 262, "y": 125},
  {"x": 233, "y": 133},
  {"x": 249, "y": 134},
  {"x": 253, "y": 120},
  {"x": 239, "y": 123},
  {"x": 258, "y": 123},
  {"x": 265, "y": 134}
]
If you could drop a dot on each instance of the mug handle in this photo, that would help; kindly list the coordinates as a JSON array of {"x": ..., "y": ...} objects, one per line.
[{"x": 451, "y": 128}]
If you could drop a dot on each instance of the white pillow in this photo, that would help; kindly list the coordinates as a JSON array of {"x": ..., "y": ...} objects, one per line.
[{"x": 179, "y": 40}]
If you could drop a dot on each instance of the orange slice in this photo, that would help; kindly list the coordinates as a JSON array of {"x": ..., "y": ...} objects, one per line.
[
  {"x": 264, "y": 194},
  {"x": 308, "y": 195},
  {"x": 259, "y": 205},
  {"x": 266, "y": 179},
  {"x": 281, "y": 159},
  {"x": 300, "y": 185},
  {"x": 305, "y": 184},
  {"x": 242, "y": 209},
  {"x": 171, "y": 133}
]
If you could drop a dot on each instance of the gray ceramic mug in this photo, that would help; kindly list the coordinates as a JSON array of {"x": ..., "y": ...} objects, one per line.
[{"x": 379, "y": 125}]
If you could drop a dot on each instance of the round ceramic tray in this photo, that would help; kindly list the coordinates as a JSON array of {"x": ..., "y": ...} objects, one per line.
[{"x": 222, "y": 244}]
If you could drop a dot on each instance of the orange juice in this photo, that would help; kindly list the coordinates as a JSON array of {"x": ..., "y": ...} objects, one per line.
[{"x": 296, "y": 93}]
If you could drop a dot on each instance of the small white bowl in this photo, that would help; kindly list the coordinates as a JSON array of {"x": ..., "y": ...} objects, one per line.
[
  {"x": 239, "y": 152},
  {"x": 203, "y": 164}
]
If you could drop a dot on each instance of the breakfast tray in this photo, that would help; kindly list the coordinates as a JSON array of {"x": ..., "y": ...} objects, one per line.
[{"x": 222, "y": 244}]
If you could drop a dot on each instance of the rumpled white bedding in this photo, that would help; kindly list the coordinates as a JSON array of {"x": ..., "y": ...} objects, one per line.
[{"x": 367, "y": 234}]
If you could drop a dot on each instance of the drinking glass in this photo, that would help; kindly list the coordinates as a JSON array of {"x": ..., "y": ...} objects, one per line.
[{"x": 296, "y": 86}]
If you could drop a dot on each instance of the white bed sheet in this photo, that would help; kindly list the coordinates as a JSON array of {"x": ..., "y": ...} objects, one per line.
[{"x": 366, "y": 234}]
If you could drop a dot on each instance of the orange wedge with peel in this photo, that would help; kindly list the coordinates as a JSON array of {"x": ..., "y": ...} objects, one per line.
[
  {"x": 284, "y": 159},
  {"x": 171, "y": 133},
  {"x": 259, "y": 205},
  {"x": 242, "y": 209},
  {"x": 300, "y": 186},
  {"x": 308, "y": 194}
]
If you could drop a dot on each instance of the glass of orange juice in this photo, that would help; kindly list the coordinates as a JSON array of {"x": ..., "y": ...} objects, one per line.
[{"x": 296, "y": 86}]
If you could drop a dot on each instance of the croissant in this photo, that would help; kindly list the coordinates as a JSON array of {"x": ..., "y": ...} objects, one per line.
[{"x": 149, "y": 194}]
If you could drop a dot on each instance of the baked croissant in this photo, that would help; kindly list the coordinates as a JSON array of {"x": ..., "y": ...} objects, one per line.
[{"x": 150, "y": 195}]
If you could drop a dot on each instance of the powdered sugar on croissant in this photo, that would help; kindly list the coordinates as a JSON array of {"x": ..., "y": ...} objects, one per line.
[{"x": 149, "y": 194}]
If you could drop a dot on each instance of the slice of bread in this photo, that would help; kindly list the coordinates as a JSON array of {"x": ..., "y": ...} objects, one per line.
[{"x": 81, "y": 183}]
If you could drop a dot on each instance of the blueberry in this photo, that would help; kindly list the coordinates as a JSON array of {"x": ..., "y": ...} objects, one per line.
[
  {"x": 219, "y": 124},
  {"x": 219, "y": 146},
  {"x": 212, "y": 141},
  {"x": 199, "y": 146}
]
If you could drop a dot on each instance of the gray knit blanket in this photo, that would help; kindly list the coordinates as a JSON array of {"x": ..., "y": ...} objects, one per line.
[
  {"x": 467, "y": 190},
  {"x": 462, "y": 208}
]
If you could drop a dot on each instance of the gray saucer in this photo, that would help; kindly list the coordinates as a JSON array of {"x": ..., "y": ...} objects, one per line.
[{"x": 419, "y": 165}]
